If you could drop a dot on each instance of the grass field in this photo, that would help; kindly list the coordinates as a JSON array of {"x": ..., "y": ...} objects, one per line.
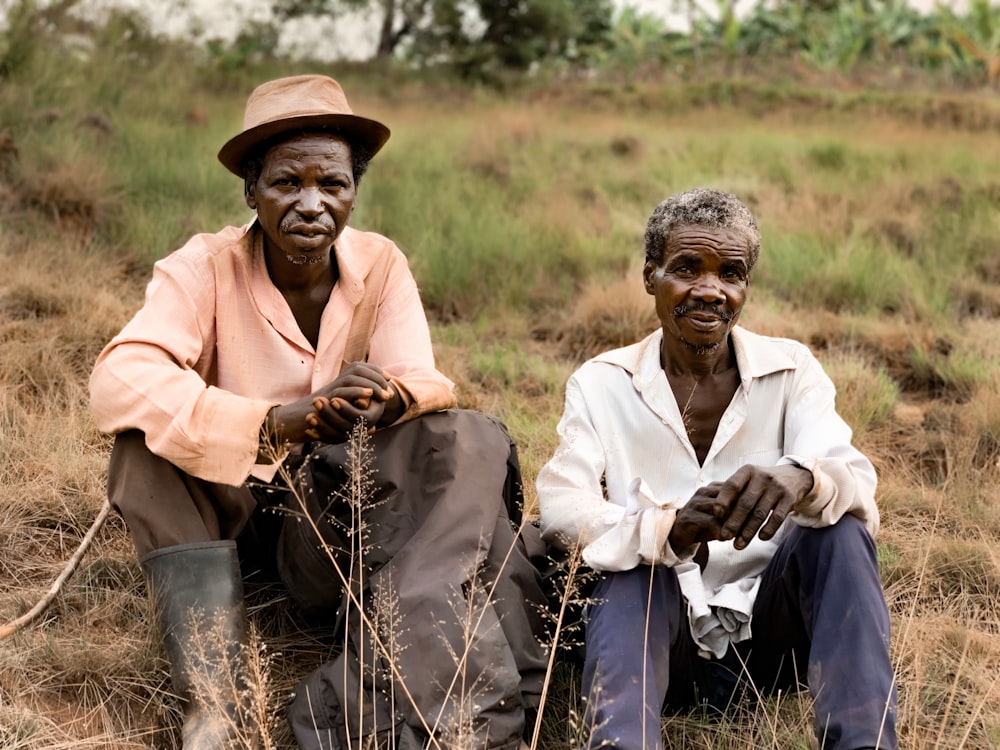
[{"x": 522, "y": 215}]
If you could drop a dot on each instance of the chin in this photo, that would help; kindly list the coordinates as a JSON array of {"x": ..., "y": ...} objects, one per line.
[{"x": 702, "y": 348}]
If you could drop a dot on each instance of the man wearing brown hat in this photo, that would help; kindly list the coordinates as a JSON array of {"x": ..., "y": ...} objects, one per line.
[{"x": 258, "y": 352}]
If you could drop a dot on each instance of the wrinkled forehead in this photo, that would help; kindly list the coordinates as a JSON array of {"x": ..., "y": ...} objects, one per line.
[{"x": 729, "y": 243}]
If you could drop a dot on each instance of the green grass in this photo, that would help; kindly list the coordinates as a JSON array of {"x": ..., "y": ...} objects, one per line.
[
  {"x": 523, "y": 216},
  {"x": 866, "y": 394}
]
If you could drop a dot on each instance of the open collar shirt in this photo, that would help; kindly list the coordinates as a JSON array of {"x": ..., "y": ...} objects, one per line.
[
  {"x": 215, "y": 346},
  {"x": 625, "y": 465}
]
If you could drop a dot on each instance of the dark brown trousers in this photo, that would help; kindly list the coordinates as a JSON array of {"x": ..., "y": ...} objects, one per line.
[{"x": 442, "y": 538}]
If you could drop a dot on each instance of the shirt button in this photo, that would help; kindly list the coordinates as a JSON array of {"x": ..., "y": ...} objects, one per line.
[{"x": 316, "y": 368}]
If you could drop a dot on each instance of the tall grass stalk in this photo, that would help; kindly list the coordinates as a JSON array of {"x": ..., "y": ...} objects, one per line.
[
  {"x": 358, "y": 472},
  {"x": 573, "y": 563}
]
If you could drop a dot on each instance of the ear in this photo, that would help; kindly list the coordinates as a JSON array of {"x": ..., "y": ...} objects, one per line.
[
  {"x": 249, "y": 194},
  {"x": 648, "y": 271}
]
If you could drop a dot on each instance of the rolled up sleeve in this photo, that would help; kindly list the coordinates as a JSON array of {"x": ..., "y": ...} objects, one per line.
[
  {"x": 819, "y": 440},
  {"x": 146, "y": 379}
]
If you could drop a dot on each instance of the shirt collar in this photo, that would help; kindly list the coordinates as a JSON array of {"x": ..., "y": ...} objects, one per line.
[
  {"x": 353, "y": 263},
  {"x": 756, "y": 356}
]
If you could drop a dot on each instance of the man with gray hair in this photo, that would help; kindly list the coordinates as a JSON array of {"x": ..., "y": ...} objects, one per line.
[{"x": 705, "y": 474}]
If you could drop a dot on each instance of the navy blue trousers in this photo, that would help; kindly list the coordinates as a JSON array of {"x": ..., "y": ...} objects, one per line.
[{"x": 820, "y": 619}]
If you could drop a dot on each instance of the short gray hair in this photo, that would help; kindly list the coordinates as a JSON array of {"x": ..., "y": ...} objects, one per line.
[{"x": 704, "y": 207}]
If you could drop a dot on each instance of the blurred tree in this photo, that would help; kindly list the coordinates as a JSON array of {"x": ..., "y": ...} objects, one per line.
[
  {"x": 25, "y": 28},
  {"x": 485, "y": 37},
  {"x": 477, "y": 36}
]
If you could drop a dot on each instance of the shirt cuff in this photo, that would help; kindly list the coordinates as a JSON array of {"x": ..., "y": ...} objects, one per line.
[
  {"x": 234, "y": 429},
  {"x": 822, "y": 491},
  {"x": 654, "y": 538},
  {"x": 405, "y": 397}
]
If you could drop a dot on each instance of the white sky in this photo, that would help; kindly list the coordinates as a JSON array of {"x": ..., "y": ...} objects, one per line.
[{"x": 350, "y": 36}]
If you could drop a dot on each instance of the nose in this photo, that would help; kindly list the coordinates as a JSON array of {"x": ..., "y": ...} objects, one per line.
[
  {"x": 309, "y": 202},
  {"x": 708, "y": 288}
]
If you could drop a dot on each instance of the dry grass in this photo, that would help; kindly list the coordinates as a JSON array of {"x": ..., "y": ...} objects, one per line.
[{"x": 923, "y": 394}]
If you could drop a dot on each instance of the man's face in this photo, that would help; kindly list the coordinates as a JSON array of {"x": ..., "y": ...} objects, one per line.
[
  {"x": 304, "y": 196},
  {"x": 700, "y": 286}
]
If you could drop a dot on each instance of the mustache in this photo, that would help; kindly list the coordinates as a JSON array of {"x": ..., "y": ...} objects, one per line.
[
  {"x": 298, "y": 224},
  {"x": 724, "y": 315}
]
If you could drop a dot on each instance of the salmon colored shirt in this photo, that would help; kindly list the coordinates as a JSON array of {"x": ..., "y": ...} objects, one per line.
[{"x": 215, "y": 346}]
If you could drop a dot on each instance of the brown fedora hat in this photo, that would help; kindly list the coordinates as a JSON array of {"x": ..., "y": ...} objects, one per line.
[{"x": 293, "y": 104}]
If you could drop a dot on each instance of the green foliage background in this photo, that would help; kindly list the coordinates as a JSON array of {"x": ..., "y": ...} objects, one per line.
[{"x": 520, "y": 199}]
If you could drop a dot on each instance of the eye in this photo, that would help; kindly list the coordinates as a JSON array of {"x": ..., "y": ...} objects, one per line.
[
  {"x": 336, "y": 182},
  {"x": 683, "y": 271},
  {"x": 733, "y": 274}
]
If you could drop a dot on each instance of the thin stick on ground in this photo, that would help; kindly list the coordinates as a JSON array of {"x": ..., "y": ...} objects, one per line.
[{"x": 15, "y": 625}]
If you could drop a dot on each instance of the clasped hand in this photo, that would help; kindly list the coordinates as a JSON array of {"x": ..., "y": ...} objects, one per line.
[
  {"x": 361, "y": 392},
  {"x": 754, "y": 501}
]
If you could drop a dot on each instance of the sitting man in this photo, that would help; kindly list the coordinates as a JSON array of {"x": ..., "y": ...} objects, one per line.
[
  {"x": 256, "y": 356},
  {"x": 706, "y": 475}
]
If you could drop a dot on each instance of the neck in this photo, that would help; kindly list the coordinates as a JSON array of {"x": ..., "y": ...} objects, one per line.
[
  {"x": 680, "y": 358},
  {"x": 289, "y": 276}
]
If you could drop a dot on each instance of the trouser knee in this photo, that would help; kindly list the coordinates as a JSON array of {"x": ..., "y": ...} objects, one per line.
[
  {"x": 848, "y": 540},
  {"x": 636, "y": 616},
  {"x": 164, "y": 506}
]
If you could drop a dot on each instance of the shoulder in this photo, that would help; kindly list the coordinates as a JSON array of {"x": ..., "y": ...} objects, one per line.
[
  {"x": 622, "y": 364},
  {"x": 229, "y": 244},
  {"x": 369, "y": 243},
  {"x": 360, "y": 252},
  {"x": 753, "y": 340},
  {"x": 760, "y": 355}
]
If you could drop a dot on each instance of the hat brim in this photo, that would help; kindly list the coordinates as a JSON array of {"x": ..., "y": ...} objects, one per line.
[{"x": 371, "y": 133}]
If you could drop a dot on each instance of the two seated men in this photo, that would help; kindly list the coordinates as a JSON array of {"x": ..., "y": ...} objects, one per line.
[{"x": 263, "y": 352}]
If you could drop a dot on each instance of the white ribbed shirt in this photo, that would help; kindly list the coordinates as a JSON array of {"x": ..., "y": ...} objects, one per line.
[{"x": 625, "y": 464}]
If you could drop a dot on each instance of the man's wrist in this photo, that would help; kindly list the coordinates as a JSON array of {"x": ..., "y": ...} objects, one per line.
[
  {"x": 267, "y": 439},
  {"x": 806, "y": 475},
  {"x": 394, "y": 408}
]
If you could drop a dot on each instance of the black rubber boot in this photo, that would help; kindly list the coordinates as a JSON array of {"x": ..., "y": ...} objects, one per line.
[{"x": 197, "y": 592}]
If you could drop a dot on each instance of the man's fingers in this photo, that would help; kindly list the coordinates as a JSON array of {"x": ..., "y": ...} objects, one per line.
[
  {"x": 343, "y": 414},
  {"x": 747, "y": 514},
  {"x": 692, "y": 526},
  {"x": 754, "y": 521},
  {"x": 705, "y": 501},
  {"x": 354, "y": 394},
  {"x": 362, "y": 373},
  {"x": 709, "y": 490},
  {"x": 733, "y": 488},
  {"x": 760, "y": 509},
  {"x": 329, "y": 417},
  {"x": 386, "y": 393},
  {"x": 778, "y": 514}
]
